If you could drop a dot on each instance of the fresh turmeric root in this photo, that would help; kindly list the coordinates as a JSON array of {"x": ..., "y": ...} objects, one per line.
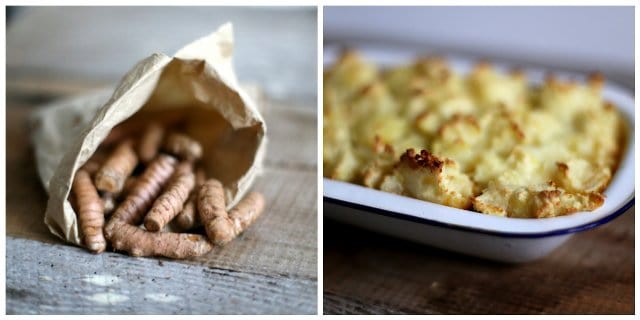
[
  {"x": 171, "y": 202},
  {"x": 109, "y": 202},
  {"x": 129, "y": 185},
  {"x": 150, "y": 142},
  {"x": 183, "y": 146},
  {"x": 246, "y": 211},
  {"x": 220, "y": 226},
  {"x": 90, "y": 212},
  {"x": 167, "y": 191},
  {"x": 117, "y": 168},
  {"x": 94, "y": 163},
  {"x": 211, "y": 206},
  {"x": 138, "y": 242},
  {"x": 126, "y": 236},
  {"x": 146, "y": 189},
  {"x": 91, "y": 167},
  {"x": 188, "y": 218}
]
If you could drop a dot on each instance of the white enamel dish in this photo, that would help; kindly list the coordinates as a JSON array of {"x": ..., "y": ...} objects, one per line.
[{"x": 463, "y": 231}]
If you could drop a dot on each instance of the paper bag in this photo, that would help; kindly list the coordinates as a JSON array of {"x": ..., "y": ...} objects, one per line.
[{"x": 197, "y": 86}]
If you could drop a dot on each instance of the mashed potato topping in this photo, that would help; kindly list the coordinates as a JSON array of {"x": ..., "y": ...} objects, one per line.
[{"x": 487, "y": 141}]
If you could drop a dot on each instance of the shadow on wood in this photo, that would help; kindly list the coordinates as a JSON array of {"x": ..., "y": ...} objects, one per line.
[{"x": 365, "y": 272}]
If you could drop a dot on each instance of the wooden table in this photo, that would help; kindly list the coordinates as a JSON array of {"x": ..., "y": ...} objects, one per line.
[
  {"x": 271, "y": 268},
  {"x": 368, "y": 273}
]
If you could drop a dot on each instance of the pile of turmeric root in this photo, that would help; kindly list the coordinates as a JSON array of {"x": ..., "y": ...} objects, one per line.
[{"x": 143, "y": 185}]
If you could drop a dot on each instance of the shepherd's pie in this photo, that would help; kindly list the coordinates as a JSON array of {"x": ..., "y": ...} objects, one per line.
[{"x": 487, "y": 141}]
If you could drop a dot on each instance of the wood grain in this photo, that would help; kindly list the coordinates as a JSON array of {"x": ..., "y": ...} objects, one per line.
[
  {"x": 364, "y": 272},
  {"x": 62, "y": 279},
  {"x": 283, "y": 240},
  {"x": 292, "y": 136},
  {"x": 271, "y": 268},
  {"x": 335, "y": 304}
]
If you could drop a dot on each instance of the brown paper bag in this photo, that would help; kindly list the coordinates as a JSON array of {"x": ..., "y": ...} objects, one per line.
[{"x": 196, "y": 87}]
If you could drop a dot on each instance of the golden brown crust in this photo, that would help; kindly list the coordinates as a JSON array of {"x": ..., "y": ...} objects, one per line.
[
  {"x": 456, "y": 120},
  {"x": 595, "y": 80},
  {"x": 422, "y": 160},
  {"x": 534, "y": 201},
  {"x": 555, "y": 145}
]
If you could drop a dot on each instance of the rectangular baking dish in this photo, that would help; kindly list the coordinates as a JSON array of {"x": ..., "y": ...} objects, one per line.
[{"x": 491, "y": 237}]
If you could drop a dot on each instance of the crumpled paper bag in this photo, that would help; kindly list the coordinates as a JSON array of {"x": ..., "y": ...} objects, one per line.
[{"x": 196, "y": 87}]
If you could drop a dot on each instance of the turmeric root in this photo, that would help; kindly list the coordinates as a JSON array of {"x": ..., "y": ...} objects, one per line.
[
  {"x": 117, "y": 168},
  {"x": 211, "y": 206},
  {"x": 138, "y": 242},
  {"x": 91, "y": 167},
  {"x": 182, "y": 168},
  {"x": 109, "y": 202},
  {"x": 220, "y": 226},
  {"x": 129, "y": 185},
  {"x": 246, "y": 211},
  {"x": 171, "y": 202},
  {"x": 183, "y": 146},
  {"x": 94, "y": 163},
  {"x": 201, "y": 177},
  {"x": 111, "y": 199},
  {"x": 150, "y": 142},
  {"x": 90, "y": 212},
  {"x": 166, "y": 191},
  {"x": 188, "y": 218},
  {"x": 146, "y": 189}
]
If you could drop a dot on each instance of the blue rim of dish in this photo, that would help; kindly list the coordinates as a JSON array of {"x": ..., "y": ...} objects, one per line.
[{"x": 559, "y": 232}]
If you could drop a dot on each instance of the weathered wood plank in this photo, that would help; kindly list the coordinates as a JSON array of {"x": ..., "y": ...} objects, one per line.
[
  {"x": 336, "y": 304},
  {"x": 592, "y": 273},
  {"x": 292, "y": 133},
  {"x": 59, "y": 279}
]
